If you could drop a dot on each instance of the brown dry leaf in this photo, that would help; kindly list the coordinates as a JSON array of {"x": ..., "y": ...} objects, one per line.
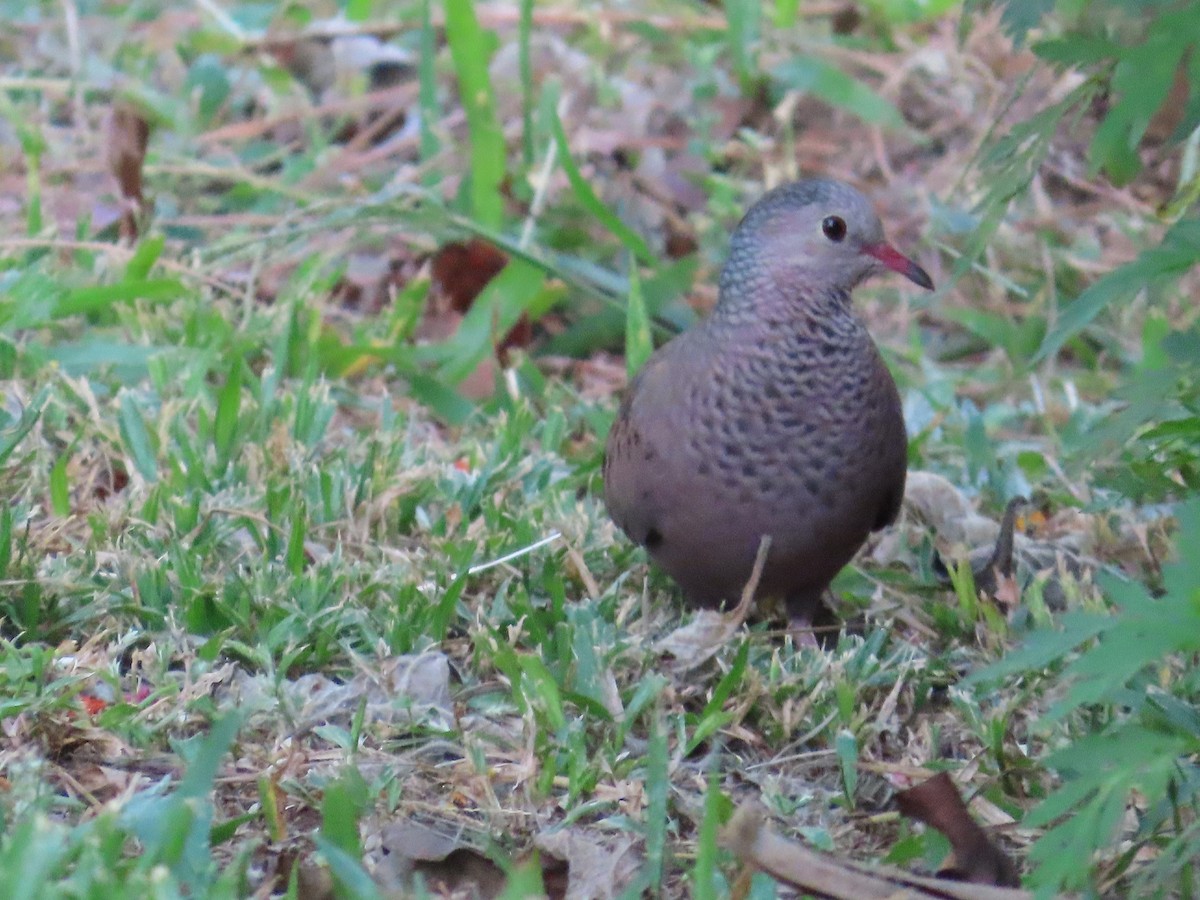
[
  {"x": 126, "y": 135},
  {"x": 332, "y": 65},
  {"x": 598, "y": 377},
  {"x": 460, "y": 271},
  {"x": 597, "y": 868},
  {"x": 67, "y": 737},
  {"x": 976, "y": 859},
  {"x": 102, "y": 783},
  {"x": 945, "y": 509},
  {"x": 694, "y": 643},
  {"x": 1007, "y": 593},
  {"x": 995, "y": 577},
  {"x": 442, "y": 859}
]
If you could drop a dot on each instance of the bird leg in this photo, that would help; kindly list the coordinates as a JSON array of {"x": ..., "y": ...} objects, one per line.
[
  {"x": 802, "y": 635},
  {"x": 811, "y": 620}
]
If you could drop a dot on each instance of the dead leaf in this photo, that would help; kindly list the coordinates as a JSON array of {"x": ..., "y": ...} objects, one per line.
[
  {"x": 460, "y": 272},
  {"x": 337, "y": 68},
  {"x": 413, "y": 687},
  {"x": 332, "y": 65},
  {"x": 126, "y": 135},
  {"x": 597, "y": 866},
  {"x": 1007, "y": 593},
  {"x": 976, "y": 860},
  {"x": 101, "y": 783},
  {"x": 440, "y": 856},
  {"x": 944, "y": 508}
]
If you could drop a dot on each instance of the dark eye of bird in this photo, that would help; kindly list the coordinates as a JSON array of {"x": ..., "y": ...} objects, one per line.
[{"x": 834, "y": 227}]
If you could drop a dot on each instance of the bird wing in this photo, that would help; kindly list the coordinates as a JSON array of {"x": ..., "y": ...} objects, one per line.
[
  {"x": 644, "y": 431},
  {"x": 897, "y": 466},
  {"x": 889, "y": 510}
]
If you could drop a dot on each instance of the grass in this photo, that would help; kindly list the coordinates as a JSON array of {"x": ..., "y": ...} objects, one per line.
[{"x": 274, "y": 584}]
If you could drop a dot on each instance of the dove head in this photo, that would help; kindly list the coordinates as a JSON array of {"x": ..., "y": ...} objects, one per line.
[{"x": 817, "y": 237}]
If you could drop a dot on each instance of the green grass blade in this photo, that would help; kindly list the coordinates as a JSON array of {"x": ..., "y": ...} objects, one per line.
[
  {"x": 136, "y": 438},
  {"x": 525, "y": 63},
  {"x": 1178, "y": 253},
  {"x": 835, "y": 87},
  {"x": 704, "y": 872},
  {"x": 348, "y": 873},
  {"x": 847, "y": 753},
  {"x": 295, "y": 558},
  {"x": 144, "y": 258},
  {"x": 90, "y": 299},
  {"x": 657, "y": 784},
  {"x": 591, "y": 202},
  {"x": 741, "y": 30},
  {"x": 444, "y": 401},
  {"x": 638, "y": 342},
  {"x": 427, "y": 96},
  {"x": 60, "y": 495},
  {"x": 345, "y": 800},
  {"x": 225, "y": 426},
  {"x": 471, "y": 48},
  {"x": 206, "y": 762},
  {"x": 10, "y": 437}
]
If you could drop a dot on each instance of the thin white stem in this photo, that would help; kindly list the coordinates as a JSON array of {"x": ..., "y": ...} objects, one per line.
[{"x": 516, "y": 554}]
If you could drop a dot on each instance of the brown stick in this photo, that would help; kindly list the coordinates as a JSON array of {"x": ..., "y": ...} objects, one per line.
[{"x": 750, "y": 837}]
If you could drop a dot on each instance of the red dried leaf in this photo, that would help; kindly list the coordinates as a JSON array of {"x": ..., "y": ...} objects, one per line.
[
  {"x": 93, "y": 705},
  {"x": 461, "y": 270},
  {"x": 111, "y": 480}
]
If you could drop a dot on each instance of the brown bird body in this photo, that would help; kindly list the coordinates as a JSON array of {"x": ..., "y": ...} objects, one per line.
[{"x": 775, "y": 416}]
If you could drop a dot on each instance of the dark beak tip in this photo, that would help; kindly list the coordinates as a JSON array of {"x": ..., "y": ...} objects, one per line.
[{"x": 920, "y": 277}]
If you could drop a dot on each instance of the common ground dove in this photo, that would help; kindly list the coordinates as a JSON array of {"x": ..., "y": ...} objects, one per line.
[{"x": 774, "y": 416}]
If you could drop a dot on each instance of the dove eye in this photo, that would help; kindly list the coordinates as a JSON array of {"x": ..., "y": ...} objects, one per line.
[{"x": 834, "y": 228}]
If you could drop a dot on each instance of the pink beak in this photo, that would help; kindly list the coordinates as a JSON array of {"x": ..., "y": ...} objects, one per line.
[{"x": 898, "y": 262}]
